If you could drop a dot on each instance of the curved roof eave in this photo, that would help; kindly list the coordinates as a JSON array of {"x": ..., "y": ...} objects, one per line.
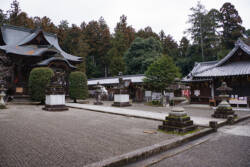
[
  {"x": 49, "y": 60},
  {"x": 16, "y": 36},
  {"x": 26, "y": 50},
  {"x": 54, "y": 41}
]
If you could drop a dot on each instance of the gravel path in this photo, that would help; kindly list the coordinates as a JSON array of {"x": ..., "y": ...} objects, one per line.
[{"x": 31, "y": 137}]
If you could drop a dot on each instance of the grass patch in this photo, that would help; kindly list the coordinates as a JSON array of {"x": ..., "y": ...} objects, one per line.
[
  {"x": 3, "y": 107},
  {"x": 154, "y": 104},
  {"x": 178, "y": 117}
]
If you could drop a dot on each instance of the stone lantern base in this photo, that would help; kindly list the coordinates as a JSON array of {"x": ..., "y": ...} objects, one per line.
[
  {"x": 223, "y": 110},
  {"x": 55, "y": 103},
  {"x": 178, "y": 121},
  {"x": 121, "y": 100}
]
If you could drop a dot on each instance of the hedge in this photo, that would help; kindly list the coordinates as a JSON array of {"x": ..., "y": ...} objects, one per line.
[
  {"x": 38, "y": 80},
  {"x": 78, "y": 88}
]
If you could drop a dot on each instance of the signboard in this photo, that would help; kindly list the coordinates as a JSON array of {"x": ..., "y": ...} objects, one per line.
[
  {"x": 148, "y": 93},
  {"x": 156, "y": 96},
  {"x": 19, "y": 90}
]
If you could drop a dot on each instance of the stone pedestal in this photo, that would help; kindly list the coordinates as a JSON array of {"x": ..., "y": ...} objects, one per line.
[
  {"x": 55, "y": 103},
  {"x": 178, "y": 121},
  {"x": 2, "y": 95},
  {"x": 98, "y": 100},
  {"x": 55, "y": 94},
  {"x": 2, "y": 103},
  {"x": 178, "y": 100},
  {"x": 1, "y": 99},
  {"x": 223, "y": 110},
  {"x": 121, "y": 100}
]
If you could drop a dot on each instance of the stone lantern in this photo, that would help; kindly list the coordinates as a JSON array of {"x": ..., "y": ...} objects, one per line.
[
  {"x": 178, "y": 121},
  {"x": 55, "y": 94},
  {"x": 98, "y": 93},
  {"x": 121, "y": 97},
  {"x": 224, "y": 109},
  {"x": 176, "y": 87},
  {"x": 2, "y": 95}
]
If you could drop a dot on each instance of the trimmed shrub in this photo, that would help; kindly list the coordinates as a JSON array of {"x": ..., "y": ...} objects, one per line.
[
  {"x": 38, "y": 80},
  {"x": 78, "y": 88}
]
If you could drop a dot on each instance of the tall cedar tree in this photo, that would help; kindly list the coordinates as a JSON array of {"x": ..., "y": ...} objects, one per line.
[
  {"x": 115, "y": 54},
  {"x": 231, "y": 22},
  {"x": 98, "y": 38},
  {"x": 127, "y": 31}
]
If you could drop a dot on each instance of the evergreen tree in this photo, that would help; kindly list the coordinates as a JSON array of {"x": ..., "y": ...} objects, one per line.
[
  {"x": 14, "y": 12},
  {"x": 183, "y": 47},
  {"x": 98, "y": 38},
  {"x": 247, "y": 33},
  {"x": 161, "y": 73},
  {"x": 146, "y": 33},
  {"x": 197, "y": 21},
  {"x": 231, "y": 23},
  {"x": 141, "y": 54},
  {"x": 127, "y": 31},
  {"x": 3, "y": 17},
  {"x": 116, "y": 53}
]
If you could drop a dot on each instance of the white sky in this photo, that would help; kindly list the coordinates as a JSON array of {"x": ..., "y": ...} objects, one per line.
[{"x": 168, "y": 15}]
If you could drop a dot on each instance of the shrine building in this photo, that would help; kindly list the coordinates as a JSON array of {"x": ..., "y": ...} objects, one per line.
[
  {"x": 234, "y": 69},
  {"x": 23, "y": 49}
]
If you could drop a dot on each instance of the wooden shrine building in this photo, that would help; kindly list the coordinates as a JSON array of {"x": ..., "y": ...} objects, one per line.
[
  {"x": 22, "y": 49},
  {"x": 234, "y": 69},
  {"x": 135, "y": 87}
]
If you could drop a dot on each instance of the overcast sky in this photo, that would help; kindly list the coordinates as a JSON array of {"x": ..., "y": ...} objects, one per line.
[{"x": 168, "y": 15}]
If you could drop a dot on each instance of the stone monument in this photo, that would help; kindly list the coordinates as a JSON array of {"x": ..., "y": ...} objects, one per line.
[
  {"x": 224, "y": 109},
  {"x": 55, "y": 94},
  {"x": 121, "y": 97},
  {"x": 98, "y": 93},
  {"x": 2, "y": 95}
]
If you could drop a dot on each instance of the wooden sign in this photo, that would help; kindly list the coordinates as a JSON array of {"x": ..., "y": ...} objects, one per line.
[{"x": 19, "y": 90}]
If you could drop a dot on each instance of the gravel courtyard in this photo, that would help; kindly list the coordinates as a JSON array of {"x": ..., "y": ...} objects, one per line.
[{"x": 30, "y": 136}]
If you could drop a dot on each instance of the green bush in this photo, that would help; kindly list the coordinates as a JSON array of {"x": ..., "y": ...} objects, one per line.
[
  {"x": 78, "y": 88},
  {"x": 38, "y": 80},
  {"x": 156, "y": 102}
]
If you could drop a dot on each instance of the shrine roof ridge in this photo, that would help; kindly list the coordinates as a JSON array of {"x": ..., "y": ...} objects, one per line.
[{"x": 27, "y": 29}]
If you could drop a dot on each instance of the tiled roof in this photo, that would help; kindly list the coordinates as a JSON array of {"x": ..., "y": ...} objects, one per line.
[
  {"x": 115, "y": 80},
  {"x": 221, "y": 68},
  {"x": 14, "y": 37},
  {"x": 47, "y": 61}
]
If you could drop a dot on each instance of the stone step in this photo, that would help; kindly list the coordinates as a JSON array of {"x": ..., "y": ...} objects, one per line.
[
  {"x": 178, "y": 129},
  {"x": 20, "y": 99},
  {"x": 178, "y": 124}
]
